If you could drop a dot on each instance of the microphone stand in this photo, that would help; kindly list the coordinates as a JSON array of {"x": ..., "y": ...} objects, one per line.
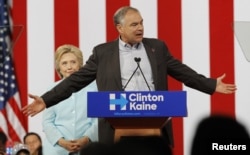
[
  {"x": 137, "y": 60},
  {"x": 130, "y": 78}
]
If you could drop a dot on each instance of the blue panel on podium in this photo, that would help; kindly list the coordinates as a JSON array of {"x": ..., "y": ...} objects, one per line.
[{"x": 137, "y": 104}]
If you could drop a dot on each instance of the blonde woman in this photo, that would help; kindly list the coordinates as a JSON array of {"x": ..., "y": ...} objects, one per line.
[{"x": 66, "y": 125}]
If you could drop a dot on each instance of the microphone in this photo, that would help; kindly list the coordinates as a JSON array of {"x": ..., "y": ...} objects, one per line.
[{"x": 137, "y": 60}]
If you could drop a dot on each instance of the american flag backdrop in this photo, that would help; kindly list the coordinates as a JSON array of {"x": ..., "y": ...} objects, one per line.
[
  {"x": 12, "y": 122},
  {"x": 198, "y": 32}
]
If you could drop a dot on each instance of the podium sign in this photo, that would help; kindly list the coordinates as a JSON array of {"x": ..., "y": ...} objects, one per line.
[{"x": 137, "y": 104}]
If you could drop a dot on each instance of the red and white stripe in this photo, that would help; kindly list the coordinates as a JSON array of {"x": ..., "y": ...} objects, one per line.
[
  {"x": 12, "y": 122},
  {"x": 200, "y": 33}
]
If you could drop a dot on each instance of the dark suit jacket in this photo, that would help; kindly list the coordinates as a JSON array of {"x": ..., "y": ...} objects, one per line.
[{"x": 104, "y": 67}]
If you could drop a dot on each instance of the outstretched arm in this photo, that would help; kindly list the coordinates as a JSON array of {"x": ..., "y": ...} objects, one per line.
[
  {"x": 35, "y": 107},
  {"x": 224, "y": 88}
]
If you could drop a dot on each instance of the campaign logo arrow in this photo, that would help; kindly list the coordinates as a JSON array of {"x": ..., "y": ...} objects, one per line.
[{"x": 122, "y": 101}]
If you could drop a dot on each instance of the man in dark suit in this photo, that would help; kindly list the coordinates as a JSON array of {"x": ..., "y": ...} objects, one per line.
[{"x": 111, "y": 65}]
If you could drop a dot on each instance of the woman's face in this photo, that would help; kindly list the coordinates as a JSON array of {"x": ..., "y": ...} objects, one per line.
[
  {"x": 33, "y": 143},
  {"x": 68, "y": 64}
]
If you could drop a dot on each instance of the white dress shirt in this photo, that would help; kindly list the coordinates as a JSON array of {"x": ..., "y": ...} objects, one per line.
[{"x": 128, "y": 65}]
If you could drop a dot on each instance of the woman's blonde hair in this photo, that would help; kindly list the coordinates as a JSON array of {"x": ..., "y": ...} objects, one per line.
[{"x": 67, "y": 48}]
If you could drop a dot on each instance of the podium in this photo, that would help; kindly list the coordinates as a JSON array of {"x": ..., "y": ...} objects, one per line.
[{"x": 137, "y": 113}]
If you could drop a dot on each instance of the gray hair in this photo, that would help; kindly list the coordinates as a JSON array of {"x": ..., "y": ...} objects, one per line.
[{"x": 120, "y": 13}]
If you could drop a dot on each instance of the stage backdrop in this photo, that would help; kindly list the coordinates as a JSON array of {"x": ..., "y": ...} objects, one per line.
[{"x": 199, "y": 33}]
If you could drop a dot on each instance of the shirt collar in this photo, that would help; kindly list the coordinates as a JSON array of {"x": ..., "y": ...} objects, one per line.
[{"x": 128, "y": 46}]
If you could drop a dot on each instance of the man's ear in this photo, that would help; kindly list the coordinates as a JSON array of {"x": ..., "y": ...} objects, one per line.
[{"x": 119, "y": 28}]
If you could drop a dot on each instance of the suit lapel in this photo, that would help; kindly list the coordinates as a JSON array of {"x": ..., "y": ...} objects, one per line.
[
  {"x": 116, "y": 65},
  {"x": 151, "y": 56}
]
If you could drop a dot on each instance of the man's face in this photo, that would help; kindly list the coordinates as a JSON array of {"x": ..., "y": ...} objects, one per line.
[{"x": 131, "y": 29}]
